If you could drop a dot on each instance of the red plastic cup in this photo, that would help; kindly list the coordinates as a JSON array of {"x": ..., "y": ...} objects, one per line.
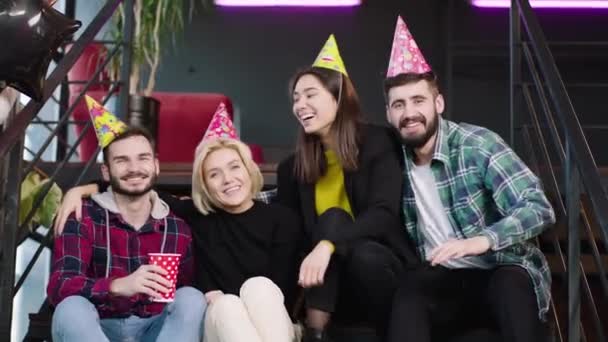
[{"x": 169, "y": 262}]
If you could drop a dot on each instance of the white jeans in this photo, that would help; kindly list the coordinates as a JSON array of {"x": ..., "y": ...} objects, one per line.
[{"x": 258, "y": 315}]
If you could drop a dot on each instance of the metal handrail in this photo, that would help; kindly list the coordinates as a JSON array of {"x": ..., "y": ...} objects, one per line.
[
  {"x": 38, "y": 201},
  {"x": 573, "y": 153},
  {"x": 72, "y": 151},
  {"x": 47, "y": 124},
  {"x": 25, "y": 116},
  {"x": 553, "y": 188},
  {"x": 561, "y": 154},
  {"x": 75, "y": 103},
  {"x": 565, "y": 112},
  {"x": 536, "y": 169}
]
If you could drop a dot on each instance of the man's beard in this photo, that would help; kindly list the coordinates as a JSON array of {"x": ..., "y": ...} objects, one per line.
[
  {"x": 416, "y": 141},
  {"x": 117, "y": 188}
]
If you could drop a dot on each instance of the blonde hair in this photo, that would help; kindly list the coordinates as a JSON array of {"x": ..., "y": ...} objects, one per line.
[{"x": 202, "y": 198}]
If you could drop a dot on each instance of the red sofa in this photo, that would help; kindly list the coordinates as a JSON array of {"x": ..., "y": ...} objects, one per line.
[
  {"x": 183, "y": 120},
  {"x": 183, "y": 117}
]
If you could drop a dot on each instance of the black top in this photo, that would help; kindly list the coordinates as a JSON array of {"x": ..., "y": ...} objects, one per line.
[
  {"x": 374, "y": 191},
  {"x": 231, "y": 248}
]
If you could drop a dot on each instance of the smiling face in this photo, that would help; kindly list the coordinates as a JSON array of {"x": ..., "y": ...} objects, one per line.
[
  {"x": 413, "y": 110},
  {"x": 227, "y": 180},
  {"x": 131, "y": 167},
  {"x": 313, "y": 105}
]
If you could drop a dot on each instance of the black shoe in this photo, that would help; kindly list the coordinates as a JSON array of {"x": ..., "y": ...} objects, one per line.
[{"x": 314, "y": 335}]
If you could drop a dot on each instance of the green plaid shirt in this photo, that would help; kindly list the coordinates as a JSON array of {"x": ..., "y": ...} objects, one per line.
[{"x": 486, "y": 189}]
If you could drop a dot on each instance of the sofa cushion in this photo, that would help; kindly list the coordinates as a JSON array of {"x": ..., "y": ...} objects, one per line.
[{"x": 183, "y": 120}]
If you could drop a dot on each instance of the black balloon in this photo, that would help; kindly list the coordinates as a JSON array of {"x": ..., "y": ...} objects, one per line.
[{"x": 30, "y": 33}]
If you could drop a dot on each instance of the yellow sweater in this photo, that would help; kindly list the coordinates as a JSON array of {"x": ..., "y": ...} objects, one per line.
[{"x": 329, "y": 190}]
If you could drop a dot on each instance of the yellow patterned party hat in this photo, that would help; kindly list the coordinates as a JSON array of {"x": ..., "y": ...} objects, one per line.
[
  {"x": 329, "y": 57},
  {"x": 107, "y": 125}
]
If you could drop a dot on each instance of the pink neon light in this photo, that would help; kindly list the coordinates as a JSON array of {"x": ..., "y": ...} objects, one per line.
[
  {"x": 295, "y": 3},
  {"x": 545, "y": 3}
]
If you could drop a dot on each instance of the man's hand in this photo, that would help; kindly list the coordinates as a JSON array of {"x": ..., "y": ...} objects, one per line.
[
  {"x": 455, "y": 249},
  {"x": 312, "y": 270},
  {"x": 211, "y": 296},
  {"x": 148, "y": 280},
  {"x": 72, "y": 203}
]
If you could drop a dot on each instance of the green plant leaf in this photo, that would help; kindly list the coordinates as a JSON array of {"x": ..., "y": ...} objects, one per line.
[
  {"x": 151, "y": 36},
  {"x": 31, "y": 188}
]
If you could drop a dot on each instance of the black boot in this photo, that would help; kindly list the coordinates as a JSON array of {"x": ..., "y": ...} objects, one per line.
[{"x": 314, "y": 335}]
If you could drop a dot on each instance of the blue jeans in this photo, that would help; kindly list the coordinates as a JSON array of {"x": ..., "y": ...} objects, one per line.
[{"x": 76, "y": 319}]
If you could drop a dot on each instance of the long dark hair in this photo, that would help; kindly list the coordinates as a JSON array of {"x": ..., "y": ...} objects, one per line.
[{"x": 310, "y": 163}]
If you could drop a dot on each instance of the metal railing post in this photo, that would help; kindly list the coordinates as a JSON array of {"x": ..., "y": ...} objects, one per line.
[
  {"x": 449, "y": 58},
  {"x": 514, "y": 68},
  {"x": 10, "y": 206},
  {"x": 573, "y": 201},
  {"x": 127, "y": 57}
]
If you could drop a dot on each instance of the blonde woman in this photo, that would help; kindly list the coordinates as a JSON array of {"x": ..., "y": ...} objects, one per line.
[{"x": 246, "y": 252}]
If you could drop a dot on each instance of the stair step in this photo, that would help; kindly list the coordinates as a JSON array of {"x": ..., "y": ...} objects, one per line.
[
  {"x": 587, "y": 260},
  {"x": 40, "y": 330},
  {"x": 40, "y": 327},
  {"x": 547, "y": 246},
  {"x": 479, "y": 335}
]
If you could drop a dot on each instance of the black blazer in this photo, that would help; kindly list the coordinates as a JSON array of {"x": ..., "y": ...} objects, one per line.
[{"x": 374, "y": 192}]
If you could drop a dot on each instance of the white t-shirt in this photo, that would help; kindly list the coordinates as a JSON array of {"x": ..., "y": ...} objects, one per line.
[{"x": 433, "y": 221}]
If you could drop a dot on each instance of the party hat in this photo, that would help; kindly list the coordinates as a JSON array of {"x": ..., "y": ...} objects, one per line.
[
  {"x": 107, "y": 125},
  {"x": 329, "y": 57},
  {"x": 221, "y": 126},
  {"x": 405, "y": 54}
]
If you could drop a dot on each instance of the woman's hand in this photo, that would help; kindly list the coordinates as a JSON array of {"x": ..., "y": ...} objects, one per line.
[
  {"x": 312, "y": 270},
  {"x": 211, "y": 296},
  {"x": 72, "y": 203}
]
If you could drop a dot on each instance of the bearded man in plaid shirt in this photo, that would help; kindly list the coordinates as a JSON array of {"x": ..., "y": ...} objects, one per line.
[
  {"x": 472, "y": 209},
  {"x": 101, "y": 283}
]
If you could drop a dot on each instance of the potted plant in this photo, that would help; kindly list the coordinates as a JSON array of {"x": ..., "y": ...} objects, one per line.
[{"x": 156, "y": 23}]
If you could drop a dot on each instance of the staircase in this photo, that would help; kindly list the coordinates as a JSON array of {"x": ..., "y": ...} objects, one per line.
[
  {"x": 563, "y": 153},
  {"x": 13, "y": 169},
  {"x": 560, "y": 145}
]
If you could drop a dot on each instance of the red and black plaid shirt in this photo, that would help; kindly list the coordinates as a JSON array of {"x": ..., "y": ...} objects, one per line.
[{"x": 79, "y": 259}]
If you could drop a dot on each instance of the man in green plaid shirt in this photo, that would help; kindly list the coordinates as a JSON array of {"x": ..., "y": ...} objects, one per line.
[{"x": 471, "y": 208}]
